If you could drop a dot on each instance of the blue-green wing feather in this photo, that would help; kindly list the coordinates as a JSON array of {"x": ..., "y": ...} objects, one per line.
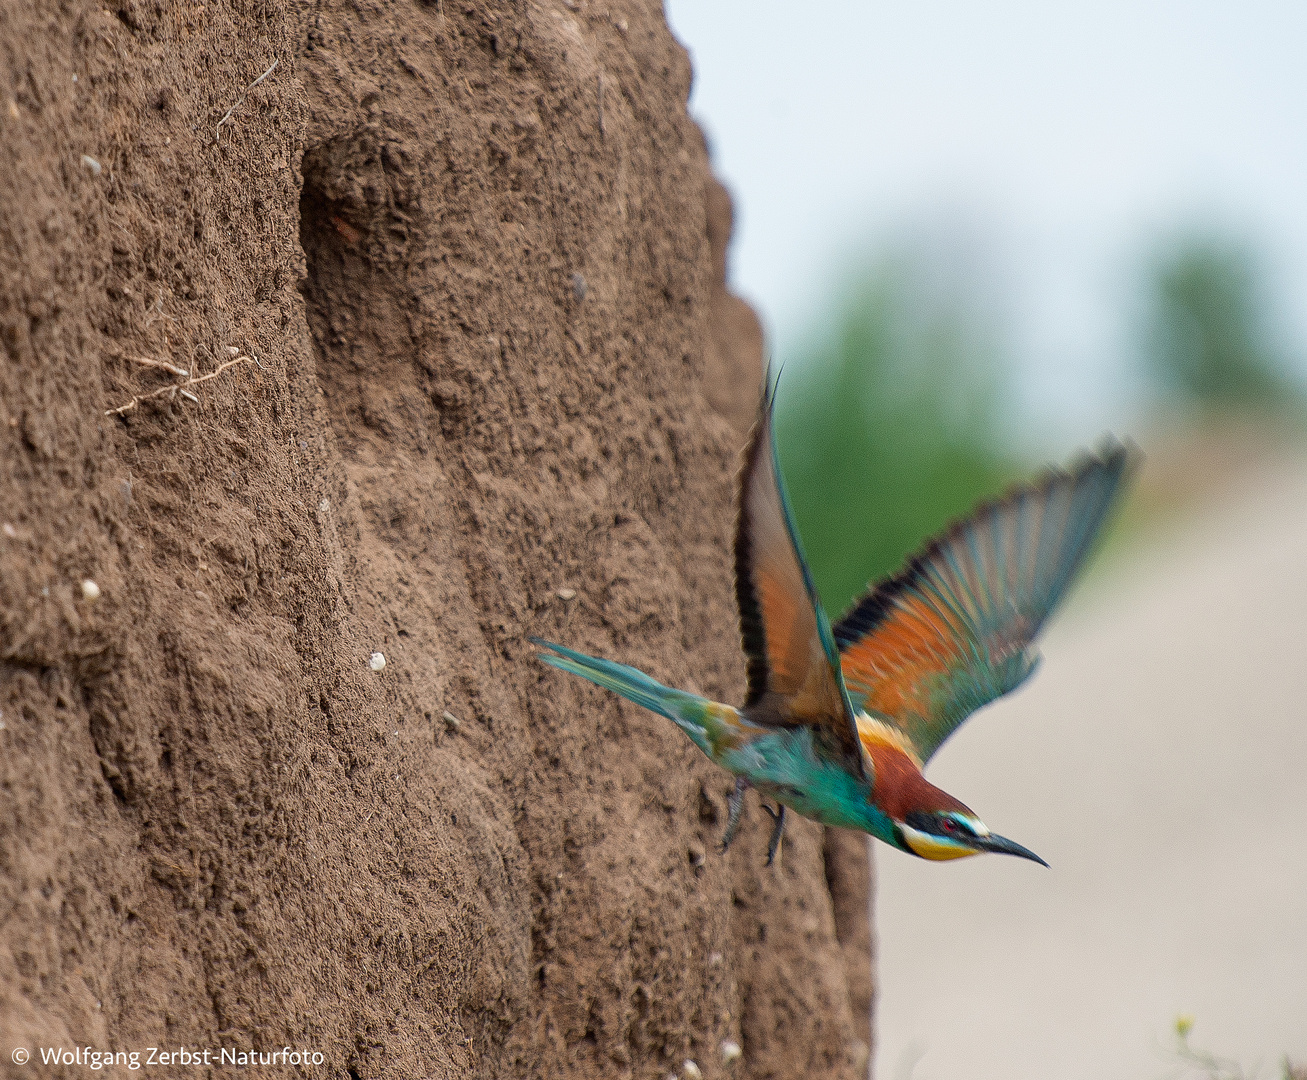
[
  {"x": 953, "y": 630},
  {"x": 793, "y": 661}
]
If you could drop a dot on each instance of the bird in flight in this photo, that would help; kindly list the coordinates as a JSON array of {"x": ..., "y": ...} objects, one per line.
[{"x": 839, "y": 722}]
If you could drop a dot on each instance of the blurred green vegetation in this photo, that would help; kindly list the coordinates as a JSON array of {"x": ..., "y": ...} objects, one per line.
[
  {"x": 1209, "y": 334},
  {"x": 892, "y": 420},
  {"x": 890, "y": 425}
]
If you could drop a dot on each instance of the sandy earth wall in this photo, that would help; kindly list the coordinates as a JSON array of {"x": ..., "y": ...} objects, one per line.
[{"x": 475, "y": 258}]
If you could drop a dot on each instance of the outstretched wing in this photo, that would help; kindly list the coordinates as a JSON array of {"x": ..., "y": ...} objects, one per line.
[
  {"x": 952, "y": 630},
  {"x": 794, "y": 667}
]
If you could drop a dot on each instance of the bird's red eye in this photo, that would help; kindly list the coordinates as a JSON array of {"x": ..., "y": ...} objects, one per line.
[{"x": 950, "y": 826}]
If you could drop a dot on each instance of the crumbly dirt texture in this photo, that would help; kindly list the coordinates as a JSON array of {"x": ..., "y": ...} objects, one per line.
[{"x": 495, "y": 387}]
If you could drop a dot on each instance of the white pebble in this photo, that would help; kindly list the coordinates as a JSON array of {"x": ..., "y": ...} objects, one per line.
[
  {"x": 377, "y": 661},
  {"x": 452, "y": 722},
  {"x": 730, "y": 1050},
  {"x": 324, "y": 506},
  {"x": 90, "y": 591},
  {"x": 9, "y": 531},
  {"x": 567, "y": 594},
  {"x": 691, "y": 1071},
  {"x": 90, "y": 163}
]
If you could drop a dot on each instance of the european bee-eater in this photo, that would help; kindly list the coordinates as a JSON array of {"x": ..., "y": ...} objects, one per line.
[{"x": 839, "y": 722}]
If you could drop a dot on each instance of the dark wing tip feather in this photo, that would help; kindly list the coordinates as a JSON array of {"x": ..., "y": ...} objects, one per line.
[
  {"x": 1113, "y": 459},
  {"x": 753, "y": 636}
]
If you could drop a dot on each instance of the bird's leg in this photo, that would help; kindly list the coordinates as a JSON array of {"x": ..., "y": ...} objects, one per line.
[
  {"x": 734, "y": 808},
  {"x": 774, "y": 844}
]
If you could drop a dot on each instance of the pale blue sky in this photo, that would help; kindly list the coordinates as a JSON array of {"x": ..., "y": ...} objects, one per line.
[{"x": 1065, "y": 135}]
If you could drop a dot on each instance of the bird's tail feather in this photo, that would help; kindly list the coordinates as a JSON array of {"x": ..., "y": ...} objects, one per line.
[{"x": 690, "y": 712}]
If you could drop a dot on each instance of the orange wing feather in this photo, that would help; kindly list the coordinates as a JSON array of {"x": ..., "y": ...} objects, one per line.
[
  {"x": 889, "y": 668},
  {"x": 953, "y": 630},
  {"x": 794, "y": 672}
]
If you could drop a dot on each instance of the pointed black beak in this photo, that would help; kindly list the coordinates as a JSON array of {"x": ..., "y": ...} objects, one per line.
[{"x": 1004, "y": 846}]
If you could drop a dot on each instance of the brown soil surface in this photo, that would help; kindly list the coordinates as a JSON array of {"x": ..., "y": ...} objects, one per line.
[{"x": 478, "y": 255}]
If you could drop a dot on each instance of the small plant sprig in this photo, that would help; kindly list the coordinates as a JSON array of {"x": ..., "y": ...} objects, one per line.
[{"x": 1211, "y": 1067}]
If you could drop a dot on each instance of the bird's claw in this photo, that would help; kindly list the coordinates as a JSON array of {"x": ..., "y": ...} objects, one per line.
[
  {"x": 774, "y": 844},
  {"x": 734, "y": 808}
]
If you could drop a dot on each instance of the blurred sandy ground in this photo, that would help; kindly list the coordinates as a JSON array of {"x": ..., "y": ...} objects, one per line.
[{"x": 1158, "y": 761}]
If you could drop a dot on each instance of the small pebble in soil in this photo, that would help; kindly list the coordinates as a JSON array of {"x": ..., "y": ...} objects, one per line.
[
  {"x": 730, "y": 1050},
  {"x": 691, "y": 1071},
  {"x": 90, "y": 163},
  {"x": 377, "y": 661},
  {"x": 714, "y": 959},
  {"x": 90, "y": 591},
  {"x": 567, "y": 594},
  {"x": 452, "y": 723}
]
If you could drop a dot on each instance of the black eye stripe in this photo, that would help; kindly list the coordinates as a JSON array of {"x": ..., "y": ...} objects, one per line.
[{"x": 939, "y": 825}]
